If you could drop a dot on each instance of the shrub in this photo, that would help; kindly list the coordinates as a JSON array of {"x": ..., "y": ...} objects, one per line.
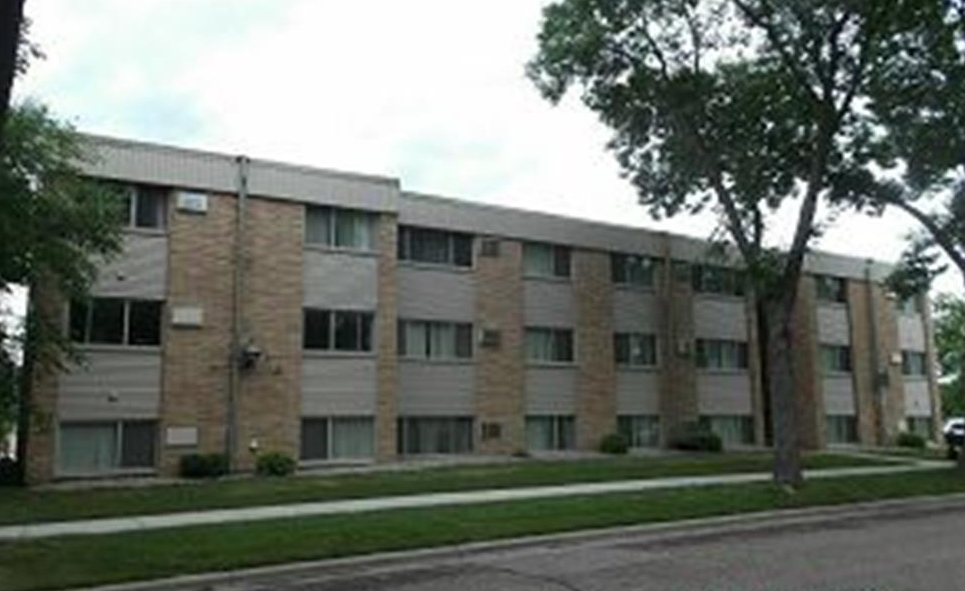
[
  {"x": 614, "y": 443},
  {"x": 275, "y": 464},
  {"x": 203, "y": 465},
  {"x": 696, "y": 437},
  {"x": 9, "y": 472},
  {"x": 912, "y": 440}
]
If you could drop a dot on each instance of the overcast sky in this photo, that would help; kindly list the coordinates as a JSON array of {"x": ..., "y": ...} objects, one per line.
[{"x": 429, "y": 91}]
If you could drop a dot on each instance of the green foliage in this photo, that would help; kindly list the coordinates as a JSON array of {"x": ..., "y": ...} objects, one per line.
[
  {"x": 910, "y": 440},
  {"x": 275, "y": 464},
  {"x": 615, "y": 444},
  {"x": 949, "y": 323},
  {"x": 203, "y": 465},
  {"x": 697, "y": 437}
]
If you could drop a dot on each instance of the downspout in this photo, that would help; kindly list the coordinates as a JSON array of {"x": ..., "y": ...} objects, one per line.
[
  {"x": 237, "y": 313},
  {"x": 877, "y": 378}
]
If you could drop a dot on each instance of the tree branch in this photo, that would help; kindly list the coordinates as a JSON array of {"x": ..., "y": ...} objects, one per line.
[{"x": 942, "y": 238}]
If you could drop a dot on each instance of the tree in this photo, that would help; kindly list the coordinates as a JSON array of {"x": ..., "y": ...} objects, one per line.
[
  {"x": 11, "y": 56},
  {"x": 950, "y": 345},
  {"x": 744, "y": 106}
]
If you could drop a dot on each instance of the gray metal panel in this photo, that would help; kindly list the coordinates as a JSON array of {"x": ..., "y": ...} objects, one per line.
[
  {"x": 635, "y": 311},
  {"x": 435, "y": 294},
  {"x": 338, "y": 386},
  {"x": 549, "y": 303},
  {"x": 834, "y": 328},
  {"x": 911, "y": 332},
  {"x": 321, "y": 187},
  {"x": 724, "y": 393},
  {"x": 826, "y": 263},
  {"x": 441, "y": 389},
  {"x": 551, "y": 390},
  {"x": 339, "y": 280},
  {"x": 720, "y": 318},
  {"x": 638, "y": 392},
  {"x": 139, "y": 271},
  {"x": 838, "y": 395},
  {"x": 112, "y": 385},
  {"x": 917, "y": 398}
]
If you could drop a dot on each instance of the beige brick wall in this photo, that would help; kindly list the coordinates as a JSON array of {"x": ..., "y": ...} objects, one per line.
[
  {"x": 864, "y": 372},
  {"x": 932, "y": 362},
  {"x": 888, "y": 358},
  {"x": 678, "y": 370},
  {"x": 596, "y": 376},
  {"x": 386, "y": 326},
  {"x": 500, "y": 370},
  {"x": 808, "y": 387}
]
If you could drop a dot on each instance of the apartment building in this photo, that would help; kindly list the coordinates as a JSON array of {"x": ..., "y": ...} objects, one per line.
[{"x": 260, "y": 306}]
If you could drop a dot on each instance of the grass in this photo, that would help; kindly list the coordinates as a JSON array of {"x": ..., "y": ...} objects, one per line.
[
  {"x": 89, "y": 560},
  {"x": 30, "y": 506}
]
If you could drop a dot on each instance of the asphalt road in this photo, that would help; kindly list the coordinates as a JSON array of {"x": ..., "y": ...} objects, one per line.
[{"x": 911, "y": 551}]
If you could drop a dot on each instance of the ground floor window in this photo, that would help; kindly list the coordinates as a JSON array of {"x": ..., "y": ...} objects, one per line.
[
  {"x": 435, "y": 435},
  {"x": 337, "y": 438},
  {"x": 550, "y": 432},
  {"x": 840, "y": 429},
  {"x": 732, "y": 429},
  {"x": 920, "y": 426},
  {"x": 640, "y": 430},
  {"x": 97, "y": 447}
]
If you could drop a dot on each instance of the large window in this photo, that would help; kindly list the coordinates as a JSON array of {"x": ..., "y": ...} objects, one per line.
[
  {"x": 921, "y": 426},
  {"x": 913, "y": 363},
  {"x": 835, "y": 359},
  {"x": 910, "y": 305},
  {"x": 630, "y": 269},
  {"x": 93, "y": 448},
  {"x": 144, "y": 206},
  {"x": 434, "y": 435},
  {"x": 116, "y": 321},
  {"x": 337, "y": 330},
  {"x": 337, "y": 438},
  {"x": 340, "y": 228},
  {"x": 635, "y": 349},
  {"x": 640, "y": 430},
  {"x": 732, "y": 429},
  {"x": 552, "y": 432},
  {"x": 831, "y": 289},
  {"x": 721, "y": 354},
  {"x": 435, "y": 340},
  {"x": 840, "y": 429},
  {"x": 546, "y": 260},
  {"x": 435, "y": 246},
  {"x": 717, "y": 280},
  {"x": 551, "y": 345}
]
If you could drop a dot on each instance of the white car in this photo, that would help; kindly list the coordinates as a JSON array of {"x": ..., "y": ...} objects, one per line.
[{"x": 954, "y": 431}]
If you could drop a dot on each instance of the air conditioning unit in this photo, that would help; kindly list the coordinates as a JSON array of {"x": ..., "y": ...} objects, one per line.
[
  {"x": 192, "y": 202},
  {"x": 489, "y": 247},
  {"x": 492, "y": 431},
  {"x": 490, "y": 338}
]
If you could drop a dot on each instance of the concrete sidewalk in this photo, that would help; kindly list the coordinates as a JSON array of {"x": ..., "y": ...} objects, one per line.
[{"x": 257, "y": 513}]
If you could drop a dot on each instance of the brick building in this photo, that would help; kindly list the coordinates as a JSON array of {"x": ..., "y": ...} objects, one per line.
[{"x": 338, "y": 318}]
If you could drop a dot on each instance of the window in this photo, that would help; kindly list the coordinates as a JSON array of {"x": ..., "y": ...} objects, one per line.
[
  {"x": 732, "y": 429},
  {"x": 555, "y": 432},
  {"x": 115, "y": 321},
  {"x": 630, "y": 269},
  {"x": 337, "y": 330},
  {"x": 640, "y": 430},
  {"x": 144, "y": 206},
  {"x": 635, "y": 349},
  {"x": 340, "y": 228},
  {"x": 435, "y": 340},
  {"x": 831, "y": 289},
  {"x": 435, "y": 435},
  {"x": 836, "y": 358},
  {"x": 545, "y": 260},
  {"x": 921, "y": 426},
  {"x": 721, "y": 354},
  {"x": 552, "y": 345},
  {"x": 913, "y": 363},
  {"x": 435, "y": 246},
  {"x": 337, "y": 438},
  {"x": 92, "y": 448},
  {"x": 717, "y": 280},
  {"x": 840, "y": 429},
  {"x": 910, "y": 305}
]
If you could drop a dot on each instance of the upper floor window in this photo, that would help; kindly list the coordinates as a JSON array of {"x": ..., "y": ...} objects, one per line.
[
  {"x": 836, "y": 358},
  {"x": 913, "y": 363},
  {"x": 553, "y": 345},
  {"x": 909, "y": 305},
  {"x": 435, "y": 340},
  {"x": 721, "y": 354},
  {"x": 435, "y": 246},
  {"x": 340, "y": 228},
  {"x": 636, "y": 349},
  {"x": 337, "y": 330},
  {"x": 116, "y": 321},
  {"x": 631, "y": 269},
  {"x": 144, "y": 206},
  {"x": 717, "y": 280},
  {"x": 831, "y": 289},
  {"x": 545, "y": 260}
]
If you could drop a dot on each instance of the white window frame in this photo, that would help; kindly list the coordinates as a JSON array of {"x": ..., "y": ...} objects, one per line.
[
  {"x": 117, "y": 425},
  {"x": 332, "y": 232}
]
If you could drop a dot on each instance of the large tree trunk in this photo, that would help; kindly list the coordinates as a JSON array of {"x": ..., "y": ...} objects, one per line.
[
  {"x": 961, "y": 389},
  {"x": 780, "y": 387},
  {"x": 11, "y": 20}
]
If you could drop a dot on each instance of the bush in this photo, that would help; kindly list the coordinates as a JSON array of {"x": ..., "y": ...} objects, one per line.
[
  {"x": 275, "y": 464},
  {"x": 9, "y": 472},
  {"x": 696, "y": 437},
  {"x": 615, "y": 444},
  {"x": 203, "y": 465},
  {"x": 912, "y": 440}
]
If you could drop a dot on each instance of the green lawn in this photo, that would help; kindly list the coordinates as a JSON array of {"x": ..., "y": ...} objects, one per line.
[
  {"x": 27, "y": 506},
  {"x": 89, "y": 560}
]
